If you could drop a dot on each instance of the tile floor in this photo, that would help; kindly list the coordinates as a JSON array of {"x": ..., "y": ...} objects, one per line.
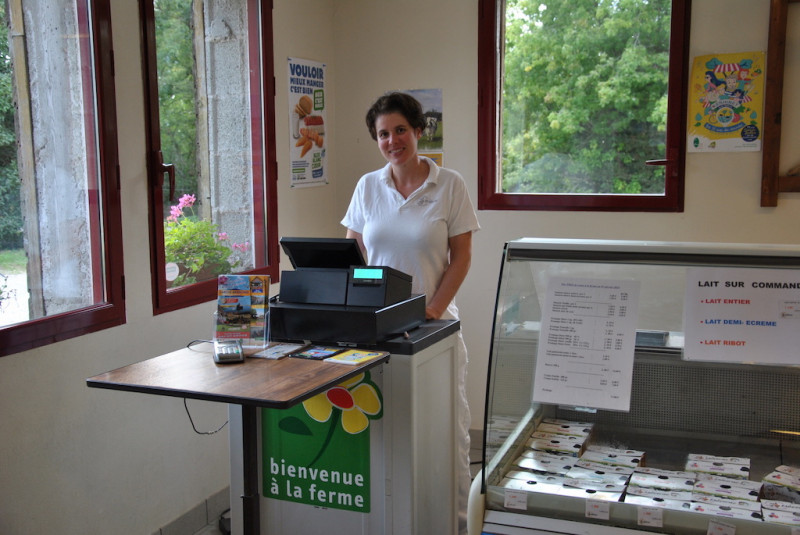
[{"x": 475, "y": 466}]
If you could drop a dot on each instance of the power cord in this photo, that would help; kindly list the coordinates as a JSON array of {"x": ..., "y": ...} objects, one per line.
[
  {"x": 193, "y": 343},
  {"x": 220, "y": 428},
  {"x": 190, "y": 345},
  {"x": 224, "y": 522}
]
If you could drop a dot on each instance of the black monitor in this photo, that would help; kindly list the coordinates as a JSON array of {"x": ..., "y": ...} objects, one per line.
[{"x": 339, "y": 253}]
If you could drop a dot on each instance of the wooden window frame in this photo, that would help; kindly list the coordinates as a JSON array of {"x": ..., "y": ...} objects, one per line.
[
  {"x": 104, "y": 200},
  {"x": 490, "y": 54},
  {"x": 264, "y": 162}
]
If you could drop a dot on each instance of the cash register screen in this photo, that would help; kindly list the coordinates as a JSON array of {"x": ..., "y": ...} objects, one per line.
[
  {"x": 368, "y": 275},
  {"x": 338, "y": 253}
]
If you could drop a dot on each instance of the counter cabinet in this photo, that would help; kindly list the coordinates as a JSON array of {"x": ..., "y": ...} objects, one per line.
[
  {"x": 413, "y": 449},
  {"x": 677, "y": 406}
]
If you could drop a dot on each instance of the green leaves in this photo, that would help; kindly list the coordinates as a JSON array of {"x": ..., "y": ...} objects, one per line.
[
  {"x": 193, "y": 244},
  {"x": 585, "y": 95}
]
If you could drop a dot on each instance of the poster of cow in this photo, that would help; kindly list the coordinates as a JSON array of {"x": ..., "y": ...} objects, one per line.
[{"x": 431, "y": 144}]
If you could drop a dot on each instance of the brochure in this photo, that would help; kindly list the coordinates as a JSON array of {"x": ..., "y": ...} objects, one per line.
[
  {"x": 242, "y": 309},
  {"x": 278, "y": 350},
  {"x": 317, "y": 352},
  {"x": 355, "y": 356}
]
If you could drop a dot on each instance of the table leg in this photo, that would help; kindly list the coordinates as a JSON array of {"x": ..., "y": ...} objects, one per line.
[{"x": 250, "y": 495}]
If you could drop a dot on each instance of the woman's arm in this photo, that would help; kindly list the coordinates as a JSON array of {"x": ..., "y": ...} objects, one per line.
[
  {"x": 454, "y": 275},
  {"x": 359, "y": 239}
]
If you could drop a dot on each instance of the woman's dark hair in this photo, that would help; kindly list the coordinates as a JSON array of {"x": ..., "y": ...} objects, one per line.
[{"x": 396, "y": 102}]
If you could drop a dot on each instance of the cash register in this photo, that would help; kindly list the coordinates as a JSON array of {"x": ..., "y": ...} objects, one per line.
[{"x": 333, "y": 297}]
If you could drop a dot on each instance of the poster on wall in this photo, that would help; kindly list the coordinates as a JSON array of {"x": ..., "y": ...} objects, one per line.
[
  {"x": 307, "y": 123},
  {"x": 726, "y": 103},
  {"x": 431, "y": 143}
]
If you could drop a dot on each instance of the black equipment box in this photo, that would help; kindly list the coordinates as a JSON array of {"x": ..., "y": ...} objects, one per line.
[
  {"x": 334, "y": 324},
  {"x": 332, "y": 297}
]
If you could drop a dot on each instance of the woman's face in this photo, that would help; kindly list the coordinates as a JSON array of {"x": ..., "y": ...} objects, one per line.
[{"x": 397, "y": 141}]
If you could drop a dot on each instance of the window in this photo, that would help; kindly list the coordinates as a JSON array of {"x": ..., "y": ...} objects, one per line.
[
  {"x": 60, "y": 231},
  {"x": 209, "y": 76},
  {"x": 582, "y": 104}
]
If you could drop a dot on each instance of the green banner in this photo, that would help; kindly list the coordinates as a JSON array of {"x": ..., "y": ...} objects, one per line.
[{"x": 318, "y": 452}]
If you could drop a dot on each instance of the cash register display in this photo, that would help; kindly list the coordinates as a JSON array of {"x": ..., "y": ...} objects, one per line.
[{"x": 368, "y": 275}]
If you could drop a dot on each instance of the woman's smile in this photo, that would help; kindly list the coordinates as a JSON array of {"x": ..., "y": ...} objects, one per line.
[{"x": 396, "y": 139}]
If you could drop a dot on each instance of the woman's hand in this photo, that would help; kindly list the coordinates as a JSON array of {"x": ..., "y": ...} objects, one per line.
[
  {"x": 454, "y": 275},
  {"x": 431, "y": 314}
]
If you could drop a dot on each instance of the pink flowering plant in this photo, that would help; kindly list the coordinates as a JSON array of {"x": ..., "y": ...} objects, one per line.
[{"x": 197, "y": 246}]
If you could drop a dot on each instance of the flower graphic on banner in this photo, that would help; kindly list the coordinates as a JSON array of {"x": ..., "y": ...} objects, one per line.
[
  {"x": 356, "y": 399},
  {"x": 354, "y": 402}
]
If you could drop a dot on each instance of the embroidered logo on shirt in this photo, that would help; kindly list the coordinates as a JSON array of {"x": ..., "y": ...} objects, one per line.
[{"x": 424, "y": 201}]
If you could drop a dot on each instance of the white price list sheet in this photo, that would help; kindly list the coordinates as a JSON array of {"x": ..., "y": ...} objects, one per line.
[{"x": 586, "y": 345}]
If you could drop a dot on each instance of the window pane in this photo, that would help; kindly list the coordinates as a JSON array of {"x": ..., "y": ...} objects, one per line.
[
  {"x": 51, "y": 256},
  {"x": 209, "y": 223},
  {"x": 584, "y": 99}
]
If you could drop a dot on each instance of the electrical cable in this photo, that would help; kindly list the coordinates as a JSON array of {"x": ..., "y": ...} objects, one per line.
[
  {"x": 185, "y": 404},
  {"x": 220, "y": 428},
  {"x": 195, "y": 342}
]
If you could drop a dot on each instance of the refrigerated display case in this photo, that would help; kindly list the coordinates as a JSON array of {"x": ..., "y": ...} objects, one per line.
[{"x": 722, "y": 402}]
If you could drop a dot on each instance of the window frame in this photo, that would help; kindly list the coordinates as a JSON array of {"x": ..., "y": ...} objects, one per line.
[
  {"x": 109, "y": 285},
  {"x": 491, "y": 26},
  {"x": 264, "y": 162}
]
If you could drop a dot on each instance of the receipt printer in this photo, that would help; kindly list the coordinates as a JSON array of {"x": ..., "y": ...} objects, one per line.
[{"x": 332, "y": 296}]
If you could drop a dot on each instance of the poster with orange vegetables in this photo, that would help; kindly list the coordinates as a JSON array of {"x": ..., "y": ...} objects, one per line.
[
  {"x": 307, "y": 122},
  {"x": 726, "y": 103}
]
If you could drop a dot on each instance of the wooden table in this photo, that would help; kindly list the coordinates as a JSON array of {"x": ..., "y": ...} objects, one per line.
[{"x": 192, "y": 373}]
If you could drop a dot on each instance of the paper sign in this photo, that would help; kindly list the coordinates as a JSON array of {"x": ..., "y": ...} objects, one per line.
[
  {"x": 742, "y": 315},
  {"x": 586, "y": 345},
  {"x": 515, "y": 499},
  {"x": 716, "y": 527},
  {"x": 650, "y": 516},
  {"x": 597, "y": 509}
]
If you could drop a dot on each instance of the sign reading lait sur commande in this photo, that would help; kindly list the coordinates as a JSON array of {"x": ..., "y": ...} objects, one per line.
[{"x": 318, "y": 452}]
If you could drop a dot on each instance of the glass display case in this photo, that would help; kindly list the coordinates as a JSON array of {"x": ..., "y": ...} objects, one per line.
[{"x": 642, "y": 387}]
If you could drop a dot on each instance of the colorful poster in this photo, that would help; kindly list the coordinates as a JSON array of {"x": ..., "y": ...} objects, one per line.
[
  {"x": 742, "y": 315},
  {"x": 318, "y": 452},
  {"x": 431, "y": 144},
  {"x": 307, "y": 123},
  {"x": 726, "y": 103}
]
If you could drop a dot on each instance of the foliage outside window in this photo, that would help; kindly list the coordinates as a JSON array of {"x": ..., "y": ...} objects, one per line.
[
  {"x": 209, "y": 133},
  {"x": 60, "y": 230},
  {"x": 582, "y": 103},
  {"x": 196, "y": 245}
]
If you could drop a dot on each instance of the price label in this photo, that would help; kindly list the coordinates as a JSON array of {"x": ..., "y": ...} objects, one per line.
[
  {"x": 515, "y": 499},
  {"x": 715, "y": 527},
  {"x": 651, "y": 517},
  {"x": 598, "y": 509}
]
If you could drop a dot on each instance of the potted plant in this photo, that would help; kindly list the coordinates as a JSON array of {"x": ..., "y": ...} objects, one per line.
[{"x": 197, "y": 246}]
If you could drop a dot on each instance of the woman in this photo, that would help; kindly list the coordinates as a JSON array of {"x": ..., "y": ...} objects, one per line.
[{"x": 417, "y": 218}]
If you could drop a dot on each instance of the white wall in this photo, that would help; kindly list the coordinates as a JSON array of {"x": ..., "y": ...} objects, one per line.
[{"x": 81, "y": 460}]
